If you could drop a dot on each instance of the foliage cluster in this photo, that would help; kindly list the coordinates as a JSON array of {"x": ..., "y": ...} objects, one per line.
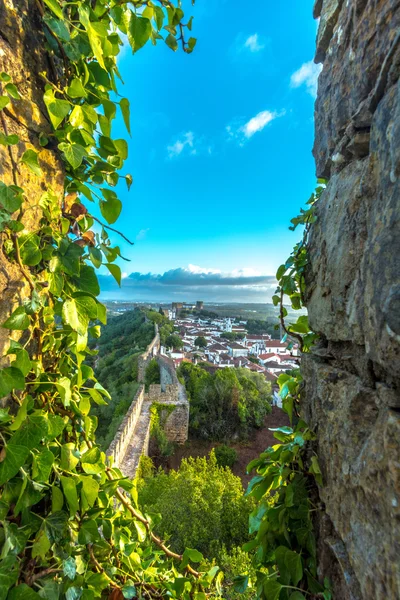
[
  {"x": 200, "y": 342},
  {"x": 258, "y": 326},
  {"x": 231, "y": 336},
  {"x": 71, "y": 526},
  {"x": 165, "y": 326},
  {"x": 226, "y": 456},
  {"x": 173, "y": 341},
  {"x": 201, "y": 505},
  {"x": 284, "y": 543},
  {"x": 228, "y": 403},
  {"x": 152, "y": 373},
  {"x": 159, "y": 413}
]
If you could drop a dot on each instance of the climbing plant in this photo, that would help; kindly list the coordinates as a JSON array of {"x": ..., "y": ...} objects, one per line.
[
  {"x": 283, "y": 544},
  {"x": 71, "y": 526}
]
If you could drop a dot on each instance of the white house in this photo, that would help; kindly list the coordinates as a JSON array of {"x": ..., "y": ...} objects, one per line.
[{"x": 236, "y": 349}]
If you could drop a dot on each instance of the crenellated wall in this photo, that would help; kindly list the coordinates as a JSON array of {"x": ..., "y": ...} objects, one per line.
[
  {"x": 151, "y": 352},
  {"x": 132, "y": 437},
  {"x": 118, "y": 447},
  {"x": 352, "y": 377}
]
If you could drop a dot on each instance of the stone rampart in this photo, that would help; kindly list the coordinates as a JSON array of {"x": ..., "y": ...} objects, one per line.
[
  {"x": 352, "y": 376},
  {"x": 132, "y": 437},
  {"x": 168, "y": 374},
  {"x": 151, "y": 352},
  {"x": 122, "y": 438}
]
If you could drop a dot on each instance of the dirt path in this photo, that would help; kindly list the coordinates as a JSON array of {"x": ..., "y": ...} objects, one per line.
[{"x": 261, "y": 439}]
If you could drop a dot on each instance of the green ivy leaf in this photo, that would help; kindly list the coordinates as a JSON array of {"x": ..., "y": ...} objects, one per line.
[
  {"x": 88, "y": 532},
  {"x": 42, "y": 465},
  {"x": 69, "y": 489},
  {"x": 191, "y": 44},
  {"x": 294, "y": 566},
  {"x": 29, "y": 247},
  {"x": 192, "y": 555},
  {"x": 272, "y": 589},
  {"x": 240, "y": 583},
  {"x": 4, "y": 100},
  {"x": 41, "y": 545},
  {"x": 69, "y": 565},
  {"x": 69, "y": 458},
  {"x": 95, "y": 256},
  {"x": 23, "y": 592},
  {"x": 125, "y": 109},
  {"x": 19, "y": 320},
  {"x": 129, "y": 590},
  {"x": 30, "y": 159},
  {"x": 55, "y": 8},
  {"x": 55, "y": 525},
  {"x": 77, "y": 313},
  {"x": 57, "y": 109},
  {"x": 139, "y": 31},
  {"x": 12, "y": 91},
  {"x": 115, "y": 272},
  {"x": 74, "y": 153},
  {"x": 76, "y": 89},
  {"x": 10, "y": 197},
  {"x": 32, "y": 431},
  {"x": 8, "y": 140},
  {"x": 10, "y": 379},
  {"x": 58, "y": 27},
  {"x": 89, "y": 492},
  {"x": 111, "y": 208},
  {"x": 171, "y": 42},
  {"x": 14, "y": 459},
  {"x": 91, "y": 461},
  {"x": 141, "y": 531}
]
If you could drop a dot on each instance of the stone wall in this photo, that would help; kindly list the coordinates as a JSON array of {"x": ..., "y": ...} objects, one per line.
[
  {"x": 122, "y": 439},
  {"x": 132, "y": 437},
  {"x": 352, "y": 377},
  {"x": 168, "y": 374},
  {"x": 22, "y": 56},
  {"x": 156, "y": 394},
  {"x": 151, "y": 351}
]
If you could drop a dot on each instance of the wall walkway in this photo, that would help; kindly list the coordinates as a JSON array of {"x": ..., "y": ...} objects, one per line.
[{"x": 132, "y": 438}]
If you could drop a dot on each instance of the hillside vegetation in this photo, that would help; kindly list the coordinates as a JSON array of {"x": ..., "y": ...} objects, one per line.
[{"x": 226, "y": 404}]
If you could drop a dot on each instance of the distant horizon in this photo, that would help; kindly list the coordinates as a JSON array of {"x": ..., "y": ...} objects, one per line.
[{"x": 210, "y": 303}]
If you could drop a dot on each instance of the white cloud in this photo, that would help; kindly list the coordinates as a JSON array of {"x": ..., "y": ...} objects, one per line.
[
  {"x": 307, "y": 75},
  {"x": 258, "y": 123},
  {"x": 142, "y": 234},
  {"x": 193, "y": 282},
  {"x": 185, "y": 142},
  {"x": 253, "y": 43},
  {"x": 243, "y": 132}
]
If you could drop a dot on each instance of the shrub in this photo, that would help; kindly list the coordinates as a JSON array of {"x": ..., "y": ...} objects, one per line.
[
  {"x": 201, "y": 506},
  {"x": 146, "y": 467},
  {"x": 226, "y": 456},
  {"x": 152, "y": 374}
]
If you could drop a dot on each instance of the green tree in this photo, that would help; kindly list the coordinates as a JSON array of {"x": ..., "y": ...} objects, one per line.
[
  {"x": 174, "y": 341},
  {"x": 230, "y": 402},
  {"x": 152, "y": 374},
  {"x": 226, "y": 456},
  {"x": 198, "y": 489},
  {"x": 200, "y": 342}
]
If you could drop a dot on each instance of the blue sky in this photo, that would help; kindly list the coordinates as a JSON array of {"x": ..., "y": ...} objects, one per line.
[{"x": 220, "y": 153}]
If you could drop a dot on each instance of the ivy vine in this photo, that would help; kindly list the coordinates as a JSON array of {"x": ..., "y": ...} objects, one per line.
[
  {"x": 71, "y": 526},
  {"x": 283, "y": 544}
]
